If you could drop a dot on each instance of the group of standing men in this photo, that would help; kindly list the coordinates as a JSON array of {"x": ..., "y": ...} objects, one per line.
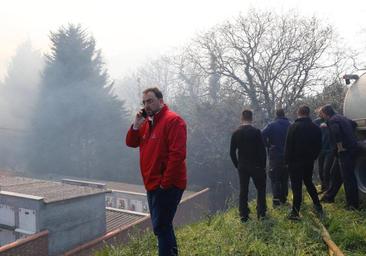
[
  {"x": 161, "y": 136},
  {"x": 293, "y": 149}
]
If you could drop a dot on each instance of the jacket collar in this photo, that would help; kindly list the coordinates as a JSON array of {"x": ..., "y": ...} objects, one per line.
[
  {"x": 281, "y": 118},
  {"x": 303, "y": 119},
  {"x": 158, "y": 115},
  {"x": 246, "y": 123}
]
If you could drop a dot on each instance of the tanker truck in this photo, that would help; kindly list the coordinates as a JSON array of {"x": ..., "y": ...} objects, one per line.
[{"x": 354, "y": 107}]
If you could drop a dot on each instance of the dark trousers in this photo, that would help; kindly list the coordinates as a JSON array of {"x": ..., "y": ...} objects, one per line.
[
  {"x": 279, "y": 179},
  {"x": 163, "y": 204},
  {"x": 302, "y": 172},
  {"x": 258, "y": 176},
  {"x": 343, "y": 172},
  {"x": 325, "y": 162}
]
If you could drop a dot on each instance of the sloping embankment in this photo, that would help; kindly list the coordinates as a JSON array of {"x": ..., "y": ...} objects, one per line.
[{"x": 223, "y": 234}]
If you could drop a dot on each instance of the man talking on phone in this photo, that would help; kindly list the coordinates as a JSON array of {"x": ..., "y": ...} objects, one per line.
[{"x": 161, "y": 136}]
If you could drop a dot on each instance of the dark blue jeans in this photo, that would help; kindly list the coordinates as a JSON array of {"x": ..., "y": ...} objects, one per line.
[
  {"x": 163, "y": 204},
  {"x": 325, "y": 163},
  {"x": 302, "y": 172},
  {"x": 343, "y": 171},
  {"x": 258, "y": 176},
  {"x": 278, "y": 174}
]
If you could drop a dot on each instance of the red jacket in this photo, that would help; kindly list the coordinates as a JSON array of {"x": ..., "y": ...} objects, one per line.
[{"x": 162, "y": 150}]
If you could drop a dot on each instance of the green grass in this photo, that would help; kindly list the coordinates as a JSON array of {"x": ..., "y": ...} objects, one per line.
[
  {"x": 347, "y": 228},
  {"x": 223, "y": 234}
]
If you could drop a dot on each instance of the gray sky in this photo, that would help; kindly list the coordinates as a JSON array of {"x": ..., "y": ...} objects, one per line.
[{"x": 130, "y": 32}]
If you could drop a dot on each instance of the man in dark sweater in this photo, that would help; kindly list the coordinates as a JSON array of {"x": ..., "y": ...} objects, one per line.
[
  {"x": 303, "y": 144},
  {"x": 248, "y": 154},
  {"x": 345, "y": 142}
]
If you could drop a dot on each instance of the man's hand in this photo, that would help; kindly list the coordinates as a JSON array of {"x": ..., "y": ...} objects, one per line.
[
  {"x": 139, "y": 120},
  {"x": 340, "y": 147}
]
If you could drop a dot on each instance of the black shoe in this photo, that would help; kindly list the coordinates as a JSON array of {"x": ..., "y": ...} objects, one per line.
[
  {"x": 294, "y": 216},
  {"x": 327, "y": 200},
  {"x": 285, "y": 203},
  {"x": 321, "y": 191},
  {"x": 276, "y": 203},
  {"x": 351, "y": 208},
  {"x": 319, "y": 210},
  {"x": 261, "y": 216},
  {"x": 244, "y": 219}
]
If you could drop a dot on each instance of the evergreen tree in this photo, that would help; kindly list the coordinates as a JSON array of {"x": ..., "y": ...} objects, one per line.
[{"x": 79, "y": 123}]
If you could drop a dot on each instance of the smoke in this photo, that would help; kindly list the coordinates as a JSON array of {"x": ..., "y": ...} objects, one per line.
[{"x": 18, "y": 94}]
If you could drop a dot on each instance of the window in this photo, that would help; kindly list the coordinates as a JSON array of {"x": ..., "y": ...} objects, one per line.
[{"x": 122, "y": 203}]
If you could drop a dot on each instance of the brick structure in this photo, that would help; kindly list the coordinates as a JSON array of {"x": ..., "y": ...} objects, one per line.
[{"x": 34, "y": 245}]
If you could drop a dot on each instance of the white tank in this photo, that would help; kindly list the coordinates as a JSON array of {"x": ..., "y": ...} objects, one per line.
[
  {"x": 355, "y": 101},
  {"x": 355, "y": 108}
]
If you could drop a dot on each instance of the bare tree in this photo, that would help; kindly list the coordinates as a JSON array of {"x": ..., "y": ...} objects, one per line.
[
  {"x": 158, "y": 72},
  {"x": 357, "y": 54},
  {"x": 261, "y": 61},
  {"x": 269, "y": 59},
  {"x": 191, "y": 79}
]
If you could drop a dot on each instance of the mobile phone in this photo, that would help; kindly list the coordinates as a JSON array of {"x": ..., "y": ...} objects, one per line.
[{"x": 143, "y": 113}]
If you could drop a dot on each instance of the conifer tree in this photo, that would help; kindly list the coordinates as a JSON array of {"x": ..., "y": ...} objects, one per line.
[{"x": 79, "y": 123}]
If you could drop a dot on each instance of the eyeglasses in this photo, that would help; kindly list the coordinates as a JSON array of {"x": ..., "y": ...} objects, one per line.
[{"x": 148, "y": 101}]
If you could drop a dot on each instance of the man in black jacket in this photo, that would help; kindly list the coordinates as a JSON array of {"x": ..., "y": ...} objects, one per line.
[
  {"x": 248, "y": 154},
  {"x": 303, "y": 144}
]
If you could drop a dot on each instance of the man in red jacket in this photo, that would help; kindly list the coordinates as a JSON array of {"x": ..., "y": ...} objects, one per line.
[{"x": 161, "y": 135}]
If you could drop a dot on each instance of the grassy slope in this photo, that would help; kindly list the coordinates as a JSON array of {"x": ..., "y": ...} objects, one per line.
[
  {"x": 223, "y": 234},
  {"x": 347, "y": 228}
]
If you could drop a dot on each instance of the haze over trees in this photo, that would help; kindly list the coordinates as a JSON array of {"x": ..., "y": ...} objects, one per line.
[
  {"x": 260, "y": 61},
  {"x": 78, "y": 122},
  {"x": 18, "y": 94}
]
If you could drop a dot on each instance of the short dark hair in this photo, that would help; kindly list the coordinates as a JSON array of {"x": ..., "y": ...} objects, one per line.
[
  {"x": 303, "y": 110},
  {"x": 280, "y": 112},
  {"x": 247, "y": 115},
  {"x": 328, "y": 110},
  {"x": 154, "y": 90}
]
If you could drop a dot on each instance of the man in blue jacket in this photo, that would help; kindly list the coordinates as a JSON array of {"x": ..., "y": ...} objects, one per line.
[{"x": 274, "y": 136}]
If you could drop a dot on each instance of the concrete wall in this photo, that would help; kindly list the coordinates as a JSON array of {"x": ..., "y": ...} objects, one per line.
[
  {"x": 191, "y": 209},
  {"x": 73, "y": 221}
]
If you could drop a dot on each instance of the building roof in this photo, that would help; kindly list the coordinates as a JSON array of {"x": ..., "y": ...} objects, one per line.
[
  {"x": 50, "y": 191},
  {"x": 117, "y": 218},
  {"x": 124, "y": 187},
  {"x": 109, "y": 185}
]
